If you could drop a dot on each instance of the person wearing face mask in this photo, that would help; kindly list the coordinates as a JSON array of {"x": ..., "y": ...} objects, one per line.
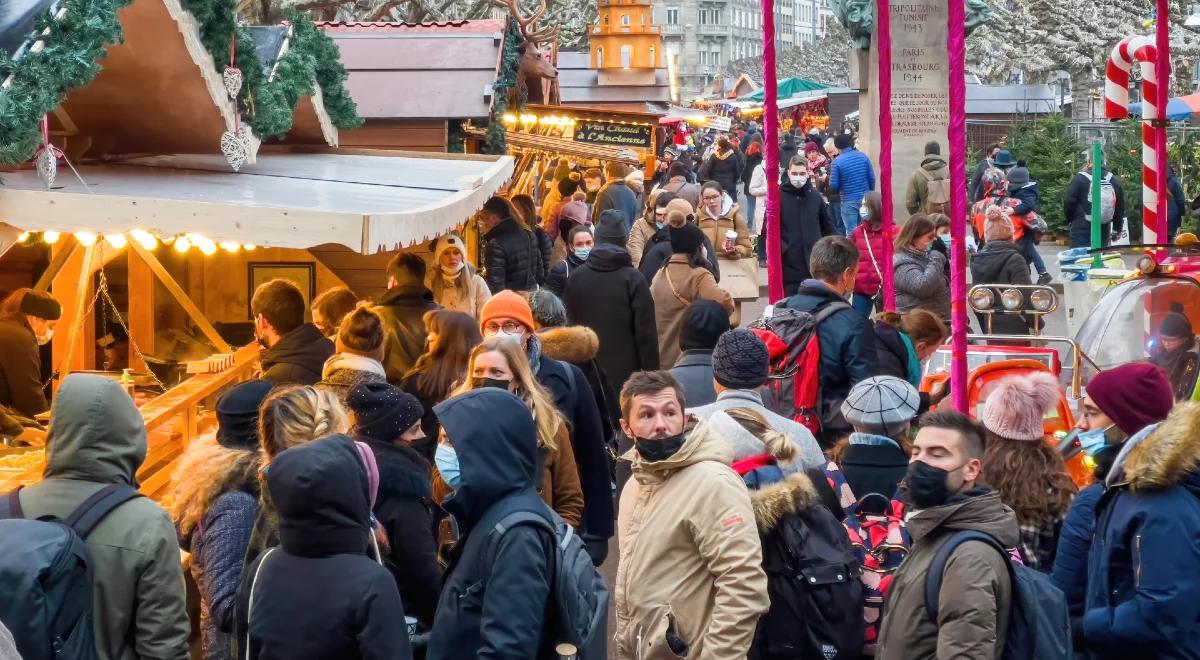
[
  {"x": 501, "y": 364},
  {"x": 803, "y": 220},
  {"x": 869, "y": 238},
  {"x": 295, "y": 351},
  {"x": 388, "y": 420},
  {"x": 507, "y": 316},
  {"x": 1177, "y": 351},
  {"x": 944, "y": 494},
  {"x": 847, "y": 338},
  {"x": 610, "y": 296},
  {"x": 453, "y": 281},
  {"x": 495, "y": 598},
  {"x": 450, "y": 338},
  {"x": 1118, "y": 404},
  {"x": 650, "y": 228},
  {"x": 919, "y": 272},
  {"x": 657, "y": 254},
  {"x": 690, "y": 582},
  {"x": 580, "y": 242},
  {"x": 27, "y": 320}
]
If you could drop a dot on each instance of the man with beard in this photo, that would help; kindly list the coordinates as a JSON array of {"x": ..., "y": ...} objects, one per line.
[{"x": 690, "y": 581}]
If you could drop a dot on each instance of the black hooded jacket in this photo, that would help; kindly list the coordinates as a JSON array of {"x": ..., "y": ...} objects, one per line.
[
  {"x": 494, "y": 603},
  {"x": 405, "y": 508},
  {"x": 556, "y": 281},
  {"x": 318, "y": 595},
  {"x": 803, "y": 220},
  {"x": 512, "y": 256},
  {"x": 608, "y": 295},
  {"x": 297, "y": 358}
]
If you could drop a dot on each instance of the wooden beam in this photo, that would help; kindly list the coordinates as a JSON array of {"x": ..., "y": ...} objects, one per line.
[
  {"x": 61, "y": 254},
  {"x": 67, "y": 355},
  {"x": 181, "y": 297},
  {"x": 140, "y": 318}
]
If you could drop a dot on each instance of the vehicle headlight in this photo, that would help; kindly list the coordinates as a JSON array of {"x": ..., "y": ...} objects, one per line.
[
  {"x": 1147, "y": 263},
  {"x": 1011, "y": 299},
  {"x": 1042, "y": 300},
  {"x": 982, "y": 300}
]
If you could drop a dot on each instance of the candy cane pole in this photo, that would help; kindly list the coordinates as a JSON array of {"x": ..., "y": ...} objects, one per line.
[{"x": 1116, "y": 106}]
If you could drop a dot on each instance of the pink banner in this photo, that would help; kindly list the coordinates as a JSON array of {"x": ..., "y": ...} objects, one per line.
[
  {"x": 775, "y": 290},
  {"x": 957, "y": 134},
  {"x": 883, "y": 18}
]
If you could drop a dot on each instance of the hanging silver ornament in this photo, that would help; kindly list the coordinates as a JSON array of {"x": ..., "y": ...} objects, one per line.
[
  {"x": 47, "y": 165},
  {"x": 233, "y": 146},
  {"x": 232, "y": 77}
]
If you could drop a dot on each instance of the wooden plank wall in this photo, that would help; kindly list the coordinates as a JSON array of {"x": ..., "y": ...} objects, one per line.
[{"x": 409, "y": 134}]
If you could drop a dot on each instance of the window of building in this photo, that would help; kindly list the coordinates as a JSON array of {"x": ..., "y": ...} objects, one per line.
[
  {"x": 702, "y": 16},
  {"x": 643, "y": 19},
  {"x": 653, "y": 61},
  {"x": 626, "y": 56},
  {"x": 624, "y": 19},
  {"x": 716, "y": 17},
  {"x": 599, "y": 56},
  {"x": 672, "y": 16},
  {"x": 606, "y": 19}
]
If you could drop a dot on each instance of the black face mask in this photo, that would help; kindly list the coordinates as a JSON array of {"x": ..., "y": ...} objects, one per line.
[
  {"x": 926, "y": 486},
  {"x": 492, "y": 382},
  {"x": 659, "y": 450}
]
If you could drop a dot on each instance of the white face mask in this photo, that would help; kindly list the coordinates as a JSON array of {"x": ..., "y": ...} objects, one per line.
[
  {"x": 42, "y": 340},
  {"x": 515, "y": 337},
  {"x": 451, "y": 271},
  {"x": 798, "y": 181}
]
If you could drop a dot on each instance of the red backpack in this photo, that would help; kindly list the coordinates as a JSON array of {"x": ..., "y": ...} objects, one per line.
[{"x": 794, "y": 379}]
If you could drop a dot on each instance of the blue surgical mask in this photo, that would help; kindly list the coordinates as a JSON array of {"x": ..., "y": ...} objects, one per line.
[
  {"x": 446, "y": 459},
  {"x": 582, "y": 253},
  {"x": 1091, "y": 442},
  {"x": 864, "y": 213},
  {"x": 660, "y": 225},
  {"x": 945, "y": 239}
]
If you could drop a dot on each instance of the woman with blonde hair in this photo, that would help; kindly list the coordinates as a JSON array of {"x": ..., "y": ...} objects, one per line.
[
  {"x": 454, "y": 282},
  {"x": 215, "y": 504},
  {"x": 290, "y": 416},
  {"x": 500, "y": 363}
]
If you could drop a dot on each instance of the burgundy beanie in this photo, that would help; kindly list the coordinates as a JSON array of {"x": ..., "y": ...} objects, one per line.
[
  {"x": 1133, "y": 395},
  {"x": 1016, "y": 408}
]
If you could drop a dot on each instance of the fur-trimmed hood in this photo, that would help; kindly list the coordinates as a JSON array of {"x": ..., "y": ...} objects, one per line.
[
  {"x": 795, "y": 494},
  {"x": 1170, "y": 456},
  {"x": 576, "y": 344}
]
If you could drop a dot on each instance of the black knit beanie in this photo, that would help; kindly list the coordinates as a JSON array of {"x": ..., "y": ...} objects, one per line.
[
  {"x": 703, "y": 324},
  {"x": 740, "y": 360},
  {"x": 237, "y": 414},
  {"x": 383, "y": 412},
  {"x": 686, "y": 239}
]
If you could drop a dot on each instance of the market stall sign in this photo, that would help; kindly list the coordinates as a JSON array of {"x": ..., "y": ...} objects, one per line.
[
  {"x": 718, "y": 123},
  {"x": 617, "y": 135}
]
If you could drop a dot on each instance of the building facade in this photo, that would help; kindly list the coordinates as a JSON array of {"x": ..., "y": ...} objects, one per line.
[
  {"x": 625, "y": 36},
  {"x": 702, "y": 36},
  {"x": 812, "y": 20}
]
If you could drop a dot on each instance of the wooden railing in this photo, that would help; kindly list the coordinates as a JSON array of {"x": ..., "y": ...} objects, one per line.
[{"x": 172, "y": 421}]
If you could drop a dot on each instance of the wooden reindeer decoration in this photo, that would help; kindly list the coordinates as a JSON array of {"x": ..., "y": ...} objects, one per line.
[{"x": 534, "y": 67}]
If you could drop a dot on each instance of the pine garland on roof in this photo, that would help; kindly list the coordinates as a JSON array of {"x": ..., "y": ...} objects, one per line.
[
  {"x": 40, "y": 81},
  {"x": 510, "y": 64}
]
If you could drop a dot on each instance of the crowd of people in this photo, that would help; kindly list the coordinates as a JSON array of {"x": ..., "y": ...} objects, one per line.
[{"x": 406, "y": 477}]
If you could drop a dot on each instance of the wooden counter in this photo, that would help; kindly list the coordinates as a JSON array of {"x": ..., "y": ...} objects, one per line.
[{"x": 172, "y": 420}]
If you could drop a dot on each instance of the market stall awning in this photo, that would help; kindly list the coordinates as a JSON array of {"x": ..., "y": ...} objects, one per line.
[
  {"x": 369, "y": 203},
  {"x": 787, "y": 89},
  {"x": 1178, "y": 109}
]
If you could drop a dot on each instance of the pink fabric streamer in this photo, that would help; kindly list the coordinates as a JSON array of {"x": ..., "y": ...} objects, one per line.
[
  {"x": 775, "y": 290},
  {"x": 1162, "y": 67},
  {"x": 957, "y": 134},
  {"x": 883, "y": 19}
]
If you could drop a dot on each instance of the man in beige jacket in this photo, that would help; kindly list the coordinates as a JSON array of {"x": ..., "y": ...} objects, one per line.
[{"x": 690, "y": 582}]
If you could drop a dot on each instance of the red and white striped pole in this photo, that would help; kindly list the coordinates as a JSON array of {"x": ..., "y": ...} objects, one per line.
[{"x": 1116, "y": 106}]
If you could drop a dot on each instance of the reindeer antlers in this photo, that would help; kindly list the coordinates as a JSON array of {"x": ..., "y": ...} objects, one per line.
[{"x": 527, "y": 23}]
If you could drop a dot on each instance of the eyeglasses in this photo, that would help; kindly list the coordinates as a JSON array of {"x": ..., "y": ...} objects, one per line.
[
  {"x": 508, "y": 327},
  {"x": 711, "y": 198}
]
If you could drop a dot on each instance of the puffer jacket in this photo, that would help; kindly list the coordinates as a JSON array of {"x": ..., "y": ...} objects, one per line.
[
  {"x": 725, "y": 168},
  {"x": 467, "y": 294},
  {"x": 921, "y": 283},
  {"x": 869, "y": 240},
  {"x": 730, "y": 218},
  {"x": 98, "y": 438},
  {"x": 674, "y": 289},
  {"x": 1071, "y": 557},
  {"x": 493, "y": 605},
  {"x": 512, "y": 257},
  {"x": 918, "y": 185},
  {"x": 689, "y": 549},
  {"x": 976, "y": 590},
  {"x": 579, "y": 346},
  {"x": 318, "y": 594},
  {"x": 402, "y": 309},
  {"x": 20, "y": 367},
  {"x": 803, "y": 220},
  {"x": 297, "y": 358},
  {"x": 1144, "y": 566},
  {"x": 641, "y": 237},
  {"x": 1001, "y": 262},
  {"x": 609, "y": 295}
]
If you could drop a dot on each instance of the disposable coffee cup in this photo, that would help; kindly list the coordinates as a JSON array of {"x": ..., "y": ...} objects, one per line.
[
  {"x": 730, "y": 239},
  {"x": 410, "y": 623},
  {"x": 566, "y": 651}
]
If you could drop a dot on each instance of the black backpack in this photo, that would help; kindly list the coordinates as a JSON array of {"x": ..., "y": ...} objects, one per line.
[
  {"x": 816, "y": 594},
  {"x": 1039, "y": 625},
  {"x": 578, "y": 595},
  {"x": 46, "y": 576}
]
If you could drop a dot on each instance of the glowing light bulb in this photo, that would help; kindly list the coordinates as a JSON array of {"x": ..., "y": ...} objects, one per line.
[
  {"x": 85, "y": 238},
  {"x": 144, "y": 238},
  {"x": 182, "y": 244},
  {"x": 249, "y": 247},
  {"x": 51, "y": 237},
  {"x": 23, "y": 238},
  {"x": 230, "y": 246},
  {"x": 205, "y": 245},
  {"x": 116, "y": 240}
]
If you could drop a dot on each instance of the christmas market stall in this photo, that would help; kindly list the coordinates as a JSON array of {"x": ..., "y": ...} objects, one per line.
[{"x": 150, "y": 196}]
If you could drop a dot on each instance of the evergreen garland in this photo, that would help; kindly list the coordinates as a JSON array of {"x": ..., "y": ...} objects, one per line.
[
  {"x": 328, "y": 70},
  {"x": 510, "y": 63},
  {"x": 74, "y": 47}
]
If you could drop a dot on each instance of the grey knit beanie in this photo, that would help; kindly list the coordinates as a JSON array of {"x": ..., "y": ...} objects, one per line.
[{"x": 740, "y": 360}]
